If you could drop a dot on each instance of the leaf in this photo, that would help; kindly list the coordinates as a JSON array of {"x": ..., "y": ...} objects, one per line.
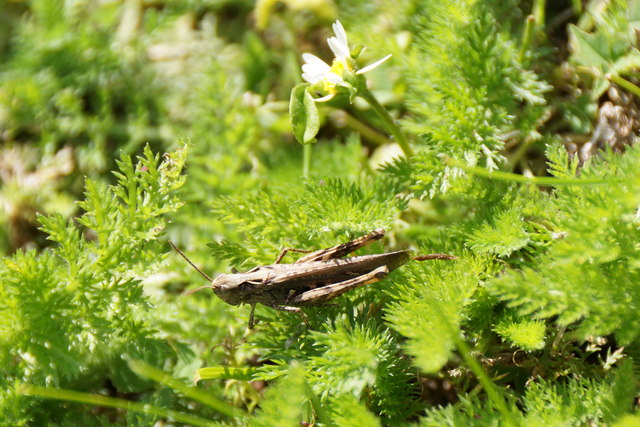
[
  {"x": 364, "y": 364},
  {"x": 304, "y": 116},
  {"x": 347, "y": 410},
  {"x": 430, "y": 299},
  {"x": 626, "y": 63},
  {"x": 623, "y": 391},
  {"x": 224, "y": 372},
  {"x": 588, "y": 49},
  {"x": 633, "y": 14},
  {"x": 589, "y": 272},
  {"x": 524, "y": 333},
  {"x": 502, "y": 238}
]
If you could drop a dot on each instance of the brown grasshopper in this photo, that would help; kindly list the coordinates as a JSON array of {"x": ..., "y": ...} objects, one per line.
[{"x": 312, "y": 280}]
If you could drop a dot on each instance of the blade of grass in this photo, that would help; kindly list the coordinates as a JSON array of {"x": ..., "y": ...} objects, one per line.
[
  {"x": 112, "y": 402},
  {"x": 148, "y": 371},
  {"x": 494, "y": 393}
]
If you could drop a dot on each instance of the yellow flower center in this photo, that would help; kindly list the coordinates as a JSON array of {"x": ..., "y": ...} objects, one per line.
[{"x": 337, "y": 67}]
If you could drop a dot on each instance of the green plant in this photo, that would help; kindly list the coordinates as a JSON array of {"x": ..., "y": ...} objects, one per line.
[
  {"x": 70, "y": 312},
  {"x": 534, "y": 323}
]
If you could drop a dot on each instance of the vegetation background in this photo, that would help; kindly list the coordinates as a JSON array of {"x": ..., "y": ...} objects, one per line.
[{"x": 523, "y": 118}]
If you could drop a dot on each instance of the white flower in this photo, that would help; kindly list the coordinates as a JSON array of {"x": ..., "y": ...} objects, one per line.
[{"x": 315, "y": 70}]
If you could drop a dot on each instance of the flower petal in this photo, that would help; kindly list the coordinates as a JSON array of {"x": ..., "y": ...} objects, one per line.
[
  {"x": 312, "y": 69},
  {"x": 311, "y": 78},
  {"x": 339, "y": 49},
  {"x": 333, "y": 78},
  {"x": 314, "y": 61},
  {"x": 340, "y": 33},
  {"x": 324, "y": 98},
  {"x": 372, "y": 66}
]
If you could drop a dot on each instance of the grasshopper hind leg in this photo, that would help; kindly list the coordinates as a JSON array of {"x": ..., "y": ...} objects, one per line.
[
  {"x": 286, "y": 250},
  {"x": 322, "y": 294},
  {"x": 345, "y": 248},
  {"x": 335, "y": 252}
]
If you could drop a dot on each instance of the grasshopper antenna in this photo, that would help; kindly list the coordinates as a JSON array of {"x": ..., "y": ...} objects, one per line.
[{"x": 202, "y": 273}]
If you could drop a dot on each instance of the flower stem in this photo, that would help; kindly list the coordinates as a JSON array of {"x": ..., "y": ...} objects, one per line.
[
  {"x": 306, "y": 160},
  {"x": 391, "y": 125},
  {"x": 363, "y": 129}
]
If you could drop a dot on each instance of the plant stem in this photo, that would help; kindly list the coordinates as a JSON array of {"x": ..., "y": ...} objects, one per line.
[
  {"x": 538, "y": 12},
  {"x": 519, "y": 154},
  {"x": 526, "y": 37},
  {"x": 306, "y": 160},
  {"x": 537, "y": 180},
  {"x": 493, "y": 392},
  {"x": 391, "y": 125},
  {"x": 624, "y": 83}
]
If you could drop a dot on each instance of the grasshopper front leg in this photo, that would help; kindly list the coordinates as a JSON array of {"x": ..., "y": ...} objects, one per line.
[
  {"x": 323, "y": 294},
  {"x": 252, "y": 316}
]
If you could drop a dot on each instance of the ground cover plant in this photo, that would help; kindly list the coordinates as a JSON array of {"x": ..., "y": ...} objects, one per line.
[{"x": 502, "y": 132}]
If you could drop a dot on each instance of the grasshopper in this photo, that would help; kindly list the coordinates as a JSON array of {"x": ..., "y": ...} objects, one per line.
[{"x": 312, "y": 280}]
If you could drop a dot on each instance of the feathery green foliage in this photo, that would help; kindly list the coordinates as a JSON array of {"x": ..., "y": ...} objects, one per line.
[
  {"x": 428, "y": 302},
  {"x": 65, "y": 84},
  {"x": 469, "y": 90},
  {"x": 57, "y": 304},
  {"x": 288, "y": 217},
  {"x": 523, "y": 333},
  {"x": 587, "y": 275},
  {"x": 481, "y": 137}
]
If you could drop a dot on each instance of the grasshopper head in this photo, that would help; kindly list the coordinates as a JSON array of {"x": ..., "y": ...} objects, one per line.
[{"x": 225, "y": 286}]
